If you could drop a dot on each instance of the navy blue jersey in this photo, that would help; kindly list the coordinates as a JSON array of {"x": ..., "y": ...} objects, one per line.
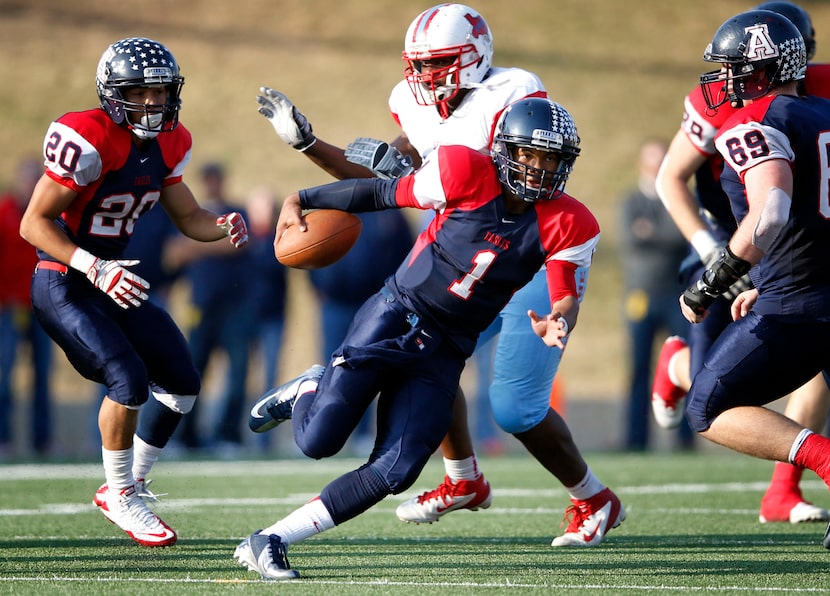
[
  {"x": 152, "y": 233},
  {"x": 117, "y": 182},
  {"x": 794, "y": 275},
  {"x": 474, "y": 255}
]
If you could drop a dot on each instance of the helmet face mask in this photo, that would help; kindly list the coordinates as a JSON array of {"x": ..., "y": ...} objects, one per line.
[
  {"x": 758, "y": 50},
  {"x": 138, "y": 62},
  {"x": 447, "y": 48},
  {"x": 542, "y": 125}
]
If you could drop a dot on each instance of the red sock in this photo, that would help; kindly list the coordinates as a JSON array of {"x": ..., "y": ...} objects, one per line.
[
  {"x": 785, "y": 478},
  {"x": 814, "y": 454}
]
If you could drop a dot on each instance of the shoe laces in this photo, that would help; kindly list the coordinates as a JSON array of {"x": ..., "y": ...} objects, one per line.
[
  {"x": 142, "y": 490},
  {"x": 135, "y": 507},
  {"x": 444, "y": 491},
  {"x": 278, "y": 552},
  {"x": 576, "y": 514}
]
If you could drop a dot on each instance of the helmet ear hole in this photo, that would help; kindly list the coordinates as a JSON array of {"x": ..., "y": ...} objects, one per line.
[{"x": 114, "y": 111}]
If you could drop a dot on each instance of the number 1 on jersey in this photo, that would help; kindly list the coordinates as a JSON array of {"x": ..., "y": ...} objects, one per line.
[{"x": 463, "y": 288}]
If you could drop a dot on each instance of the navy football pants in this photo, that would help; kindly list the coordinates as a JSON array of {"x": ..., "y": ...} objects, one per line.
[{"x": 416, "y": 375}]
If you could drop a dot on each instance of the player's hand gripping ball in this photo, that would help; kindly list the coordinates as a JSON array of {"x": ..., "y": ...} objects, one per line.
[{"x": 330, "y": 235}]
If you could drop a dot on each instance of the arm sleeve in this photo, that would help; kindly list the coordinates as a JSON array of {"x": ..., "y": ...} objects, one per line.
[
  {"x": 355, "y": 195},
  {"x": 561, "y": 280}
]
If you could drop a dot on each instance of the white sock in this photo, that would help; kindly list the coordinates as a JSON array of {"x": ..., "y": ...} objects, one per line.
[
  {"x": 462, "y": 469},
  {"x": 118, "y": 468},
  {"x": 586, "y": 488},
  {"x": 310, "y": 519},
  {"x": 670, "y": 369},
  {"x": 144, "y": 457}
]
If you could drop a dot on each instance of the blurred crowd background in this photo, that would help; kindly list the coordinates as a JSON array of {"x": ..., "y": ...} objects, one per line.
[{"x": 621, "y": 69}]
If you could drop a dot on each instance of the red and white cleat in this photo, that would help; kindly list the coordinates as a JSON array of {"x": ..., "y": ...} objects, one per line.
[
  {"x": 789, "y": 507},
  {"x": 127, "y": 510},
  {"x": 591, "y": 520},
  {"x": 431, "y": 505},
  {"x": 668, "y": 401}
]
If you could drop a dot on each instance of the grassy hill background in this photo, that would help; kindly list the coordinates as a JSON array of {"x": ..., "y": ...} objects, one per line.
[{"x": 621, "y": 68}]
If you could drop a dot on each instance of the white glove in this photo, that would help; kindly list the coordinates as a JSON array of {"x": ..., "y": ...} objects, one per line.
[
  {"x": 233, "y": 224},
  {"x": 289, "y": 122},
  {"x": 380, "y": 157},
  {"x": 111, "y": 277}
]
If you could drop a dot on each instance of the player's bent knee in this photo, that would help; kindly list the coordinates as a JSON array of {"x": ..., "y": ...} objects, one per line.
[
  {"x": 315, "y": 451},
  {"x": 514, "y": 420},
  {"x": 403, "y": 475},
  {"x": 700, "y": 412},
  {"x": 181, "y": 404},
  {"x": 519, "y": 407}
]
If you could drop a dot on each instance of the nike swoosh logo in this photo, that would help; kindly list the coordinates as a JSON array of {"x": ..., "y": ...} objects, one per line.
[
  {"x": 256, "y": 411},
  {"x": 143, "y": 159},
  {"x": 606, "y": 510},
  {"x": 589, "y": 537},
  {"x": 458, "y": 503},
  {"x": 165, "y": 534},
  {"x": 507, "y": 221}
]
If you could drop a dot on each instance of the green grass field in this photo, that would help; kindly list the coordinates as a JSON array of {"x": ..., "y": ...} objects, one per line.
[{"x": 692, "y": 525}]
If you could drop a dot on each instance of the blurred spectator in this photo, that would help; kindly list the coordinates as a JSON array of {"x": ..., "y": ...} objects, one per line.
[
  {"x": 267, "y": 288},
  {"x": 17, "y": 323},
  {"x": 343, "y": 287},
  {"x": 218, "y": 318},
  {"x": 652, "y": 250}
]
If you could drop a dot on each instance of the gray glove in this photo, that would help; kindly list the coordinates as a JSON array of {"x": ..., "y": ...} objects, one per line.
[
  {"x": 380, "y": 157},
  {"x": 742, "y": 285},
  {"x": 289, "y": 122}
]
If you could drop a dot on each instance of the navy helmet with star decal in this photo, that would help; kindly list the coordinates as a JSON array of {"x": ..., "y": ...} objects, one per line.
[
  {"x": 139, "y": 62},
  {"x": 760, "y": 50},
  {"x": 535, "y": 123}
]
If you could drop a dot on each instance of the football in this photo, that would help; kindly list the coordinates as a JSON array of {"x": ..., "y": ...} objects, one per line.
[{"x": 330, "y": 235}]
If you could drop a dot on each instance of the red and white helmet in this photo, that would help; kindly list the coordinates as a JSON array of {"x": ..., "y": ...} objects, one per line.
[{"x": 452, "y": 32}]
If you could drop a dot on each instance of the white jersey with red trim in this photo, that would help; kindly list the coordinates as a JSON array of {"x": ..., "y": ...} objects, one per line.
[{"x": 472, "y": 122}]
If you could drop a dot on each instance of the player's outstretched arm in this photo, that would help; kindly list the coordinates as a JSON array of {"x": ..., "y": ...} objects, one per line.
[
  {"x": 200, "y": 224},
  {"x": 294, "y": 129}
]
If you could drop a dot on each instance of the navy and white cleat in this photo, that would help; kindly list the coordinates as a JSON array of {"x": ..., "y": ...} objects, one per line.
[
  {"x": 267, "y": 555},
  {"x": 276, "y": 405}
]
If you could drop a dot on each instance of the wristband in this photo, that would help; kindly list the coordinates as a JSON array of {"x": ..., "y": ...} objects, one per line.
[
  {"x": 704, "y": 244},
  {"x": 82, "y": 261}
]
